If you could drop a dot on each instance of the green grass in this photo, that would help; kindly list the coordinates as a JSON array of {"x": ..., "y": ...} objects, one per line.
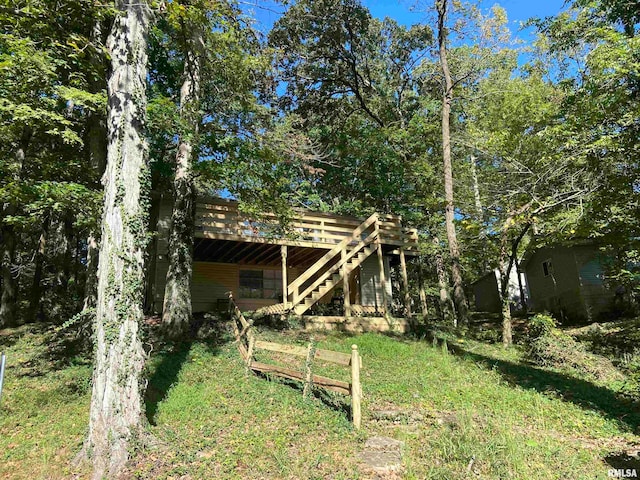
[{"x": 477, "y": 402}]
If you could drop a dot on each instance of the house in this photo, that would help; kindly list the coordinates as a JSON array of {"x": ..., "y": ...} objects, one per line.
[
  {"x": 568, "y": 281},
  {"x": 487, "y": 296},
  {"x": 340, "y": 261}
]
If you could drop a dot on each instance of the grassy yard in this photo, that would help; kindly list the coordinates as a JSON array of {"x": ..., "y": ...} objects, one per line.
[{"x": 474, "y": 412}]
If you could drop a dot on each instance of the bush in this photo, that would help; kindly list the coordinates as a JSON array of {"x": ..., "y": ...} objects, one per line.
[{"x": 548, "y": 346}]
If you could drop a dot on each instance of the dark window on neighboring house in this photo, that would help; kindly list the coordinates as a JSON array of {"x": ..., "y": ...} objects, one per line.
[
  {"x": 547, "y": 268},
  {"x": 261, "y": 284}
]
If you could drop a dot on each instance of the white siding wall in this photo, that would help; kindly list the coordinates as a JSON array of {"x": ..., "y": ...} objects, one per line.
[{"x": 370, "y": 280}]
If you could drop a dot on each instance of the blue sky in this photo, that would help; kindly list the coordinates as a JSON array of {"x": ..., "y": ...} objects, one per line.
[{"x": 518, "y": 11}]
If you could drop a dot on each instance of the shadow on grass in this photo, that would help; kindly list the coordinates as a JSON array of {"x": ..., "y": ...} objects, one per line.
[
  {"x": 334, "y": 402},
  {"x": 340, "y": 404},
  {"x": 623, "y": 461},
  {"x": 580, "y": 392},
  {"x": 165, "y": 375},
  {"x": 211, "y": 332}
]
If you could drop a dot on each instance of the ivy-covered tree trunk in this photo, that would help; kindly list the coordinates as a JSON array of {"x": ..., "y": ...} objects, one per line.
[
  {"x": 176, "y": 310},
  {"x": 459, "y": 296},
  {"x": 116, "y": 414}
]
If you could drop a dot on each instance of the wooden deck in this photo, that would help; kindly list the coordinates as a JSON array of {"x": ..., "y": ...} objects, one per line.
[{"x": 219, "y": 219}]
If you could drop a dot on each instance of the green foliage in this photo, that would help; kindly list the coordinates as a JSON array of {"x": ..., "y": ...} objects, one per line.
[
  {"x": 548, "y": 346},
  {"x": 599, "y": 128},
  {"x": 539, "y": 325}
]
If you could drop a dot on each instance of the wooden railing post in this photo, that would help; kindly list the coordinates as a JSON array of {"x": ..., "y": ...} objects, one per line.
[
  {"x": 285, "y": 283},
  {"x": 356, "y": 391},
  {"x": 345, "y": 286}
]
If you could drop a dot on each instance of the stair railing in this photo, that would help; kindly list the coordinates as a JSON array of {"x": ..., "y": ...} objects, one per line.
[{"x": 296, "y": 285}]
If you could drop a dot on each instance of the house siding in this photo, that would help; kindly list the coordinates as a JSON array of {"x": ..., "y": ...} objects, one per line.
[
  {"x": 575, "y": 289},
  {"x": 210, "y": 283},
  {"x": 370, "y": 279},
  {"x": 486, "y": 293}
]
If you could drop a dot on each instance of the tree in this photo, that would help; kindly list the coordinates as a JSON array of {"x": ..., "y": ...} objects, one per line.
[
  {"x": 459, "y": 296},
  {"x": 204, "y": 93},
  {"x": 176, "y": 312},
  {"x": 116, "y": 413},
  {"x": 352, "y": 81},
  {"x": 600, "y": 129},
  {"x": 528, "y": 178},
  {"x": 49, "y": 198}
]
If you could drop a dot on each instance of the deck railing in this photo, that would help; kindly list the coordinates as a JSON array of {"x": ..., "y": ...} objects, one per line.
[{"x": 220, "y": 219}]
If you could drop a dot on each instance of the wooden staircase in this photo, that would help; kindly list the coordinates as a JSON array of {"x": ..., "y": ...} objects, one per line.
[{"x": 324, "y": 275}]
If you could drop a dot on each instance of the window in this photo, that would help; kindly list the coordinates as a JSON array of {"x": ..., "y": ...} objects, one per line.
[
  {"x": 547, "y": 268},
  {"x": 261, "y": 284}
]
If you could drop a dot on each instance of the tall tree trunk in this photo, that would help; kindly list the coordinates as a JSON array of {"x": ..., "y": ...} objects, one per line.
[
  {"x": 36, "y": 286},
  {"x": 116, "y": 413},
  {"x": 67, "y": 242},
  {"x": 479, "y": 213},
  {"x": 476, "y": 189},
  {"x": 8, "y": 301},
  {"x": 459, "y": 296},
  {"x": 176, "y": 311},
  {"x": 503, "y": 289},
  {"x": 508, "y": 258},
  {"x": 421, "y": 291},
  {"x": 444, "y": 300},
  {"x": 9, "y": 297}
]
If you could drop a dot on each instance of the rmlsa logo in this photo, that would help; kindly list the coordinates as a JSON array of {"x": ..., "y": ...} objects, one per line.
[{"x": 623, "y": 473}]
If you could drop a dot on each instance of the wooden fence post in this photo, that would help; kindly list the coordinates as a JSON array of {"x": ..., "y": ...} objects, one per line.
[
  {"x": 252, "y": 342},
  {"x": 356, "y": 392},
  {"x": 308, "y": 381}
]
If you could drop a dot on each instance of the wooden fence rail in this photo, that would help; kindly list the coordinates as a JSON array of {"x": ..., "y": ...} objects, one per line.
[{"x": 248, "y": 344}]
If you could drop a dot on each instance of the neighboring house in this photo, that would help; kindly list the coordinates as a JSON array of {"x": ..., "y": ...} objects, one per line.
[
  {"x": 321, "y": 258},
  {"x": 486, "y": 293},
  {"x": 568, "y": 281}
]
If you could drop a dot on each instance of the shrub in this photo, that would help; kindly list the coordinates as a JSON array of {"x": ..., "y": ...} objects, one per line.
[{"x": 549, "y": 346}]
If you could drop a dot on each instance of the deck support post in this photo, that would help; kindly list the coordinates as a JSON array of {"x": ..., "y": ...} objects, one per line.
[
  {"x": 345, "y": 286},
  {"x": 405, "y": 284},
  {"x": 383, "y": 278},
  {"x": 285, "y": 286}
]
